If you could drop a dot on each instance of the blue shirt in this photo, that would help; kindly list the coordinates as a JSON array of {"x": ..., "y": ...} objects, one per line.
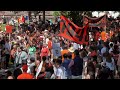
[{"x": 65, "y": 64}]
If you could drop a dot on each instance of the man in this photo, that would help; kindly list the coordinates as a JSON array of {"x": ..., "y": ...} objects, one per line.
[
  {"x": 25, "y": 75},
  {"x": 20, "y": 56},
  {"x": 104, "y": 49},
  {"x": 64, "y": 51},
  {"x": 60, "y": 70},
  {"x": 67, "y": 60},
  {"x": 77, "y": 66},
  {"x": 31, "y": 50},
  {"x": 7, "y": 52},
  {"x": 13, "y": 51},
  {"x": 31, "y": 65}
]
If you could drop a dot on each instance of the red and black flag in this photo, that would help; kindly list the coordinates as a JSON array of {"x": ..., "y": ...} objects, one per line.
[
  {"x": 95, "y": 22},
  {"x": 72, "y": 32}
]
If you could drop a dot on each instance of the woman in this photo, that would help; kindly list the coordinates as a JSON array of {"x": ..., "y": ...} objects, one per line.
[
  {"x": 44, "y": 51},
  {"x": 90, "y": 72}
]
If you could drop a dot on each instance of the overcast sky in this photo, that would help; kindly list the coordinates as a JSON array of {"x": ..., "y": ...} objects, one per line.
[{"x": 111, "y": 13}]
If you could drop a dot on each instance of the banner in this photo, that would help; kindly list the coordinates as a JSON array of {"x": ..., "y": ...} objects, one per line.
[
  {"x": 56, "y": 49},
  {"x": 72, "y": 32},
  {"x": 95, "y": 22},
  {"x": 8, "y": 29}
]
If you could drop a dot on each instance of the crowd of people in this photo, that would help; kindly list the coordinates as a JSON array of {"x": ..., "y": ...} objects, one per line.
[{"x": 32, "y": 53}]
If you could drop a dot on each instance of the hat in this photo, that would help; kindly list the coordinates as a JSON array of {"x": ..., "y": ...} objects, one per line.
[
  {"x": 71, "y": 49},
  {"x": 25, "y": 68}
]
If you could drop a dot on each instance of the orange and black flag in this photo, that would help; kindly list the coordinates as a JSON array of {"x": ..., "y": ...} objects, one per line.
[
  {"x": 95, "y": 22},
  {"x": 72, "y": 32}
]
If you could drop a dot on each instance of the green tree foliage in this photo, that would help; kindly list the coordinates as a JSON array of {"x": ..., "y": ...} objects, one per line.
[{"x": 75, "y": 16}]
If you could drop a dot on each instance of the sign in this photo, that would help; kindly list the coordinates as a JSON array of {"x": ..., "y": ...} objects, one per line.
[
  {"x": 56, "y": 45},
  {"x": 56, "y": 49},
  {"x": 57, "y": 52},
  {"x": 8, "y": 29}
]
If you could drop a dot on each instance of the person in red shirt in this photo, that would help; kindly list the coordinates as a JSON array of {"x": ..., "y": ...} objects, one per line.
[
  {"x": 44, "y": 51},
  {"x": 50, "y": 47},
  {"x": 97, "y": 35},
  {"x": 25, "y": 75}
]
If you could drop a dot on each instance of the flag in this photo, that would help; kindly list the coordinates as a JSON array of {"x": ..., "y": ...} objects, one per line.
[
  {"x": 72, "y": 32},
  {"x": 8, "y": 29},
  {"x": 95, "y": 22}
]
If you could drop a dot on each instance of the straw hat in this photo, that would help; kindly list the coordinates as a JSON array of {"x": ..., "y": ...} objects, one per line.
[{"x": 71, "y": 49}]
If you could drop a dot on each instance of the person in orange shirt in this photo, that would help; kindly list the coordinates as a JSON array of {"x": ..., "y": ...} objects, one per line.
[
  {"x": 25, "y": 75},
  {"x": 103, "y": 36},
  {"x": 64, "y": 51}
]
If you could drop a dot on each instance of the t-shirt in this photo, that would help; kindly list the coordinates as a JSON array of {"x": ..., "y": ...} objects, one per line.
[
  {"x": 8, "y": 48},
  {"x": 64, "y": 52},
  {"x": 60, "y": 72},
  {"x": 103, "y": 35},
  {"x": 32, "y": 50},
  {"x": 103, "y": 50},
  {"x": 44, "y": 52},
  {"x": 111, "y": 65},
  {"x": 25, "y": 76},
  {"x": 49, "y": 44}
]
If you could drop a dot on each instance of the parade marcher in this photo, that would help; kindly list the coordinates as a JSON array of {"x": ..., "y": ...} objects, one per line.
[
  {"x": 20, "y": 56},
  {"x": 77, "y": 67},
  {"x": 25, "y": 75}
]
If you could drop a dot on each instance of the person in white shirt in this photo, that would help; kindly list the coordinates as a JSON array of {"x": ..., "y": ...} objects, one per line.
[
  {"x": 104, "y": 49},
  {"x": 110, "y": 63},
  {"x": 76, "y": 46},
  {"x": 60, "y": 71}
]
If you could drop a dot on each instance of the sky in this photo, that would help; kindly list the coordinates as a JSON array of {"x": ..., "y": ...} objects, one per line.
[{"x": 111, "y": 13}]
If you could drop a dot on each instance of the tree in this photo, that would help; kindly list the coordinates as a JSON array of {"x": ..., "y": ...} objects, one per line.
[{"x": 75, "y": 16}]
